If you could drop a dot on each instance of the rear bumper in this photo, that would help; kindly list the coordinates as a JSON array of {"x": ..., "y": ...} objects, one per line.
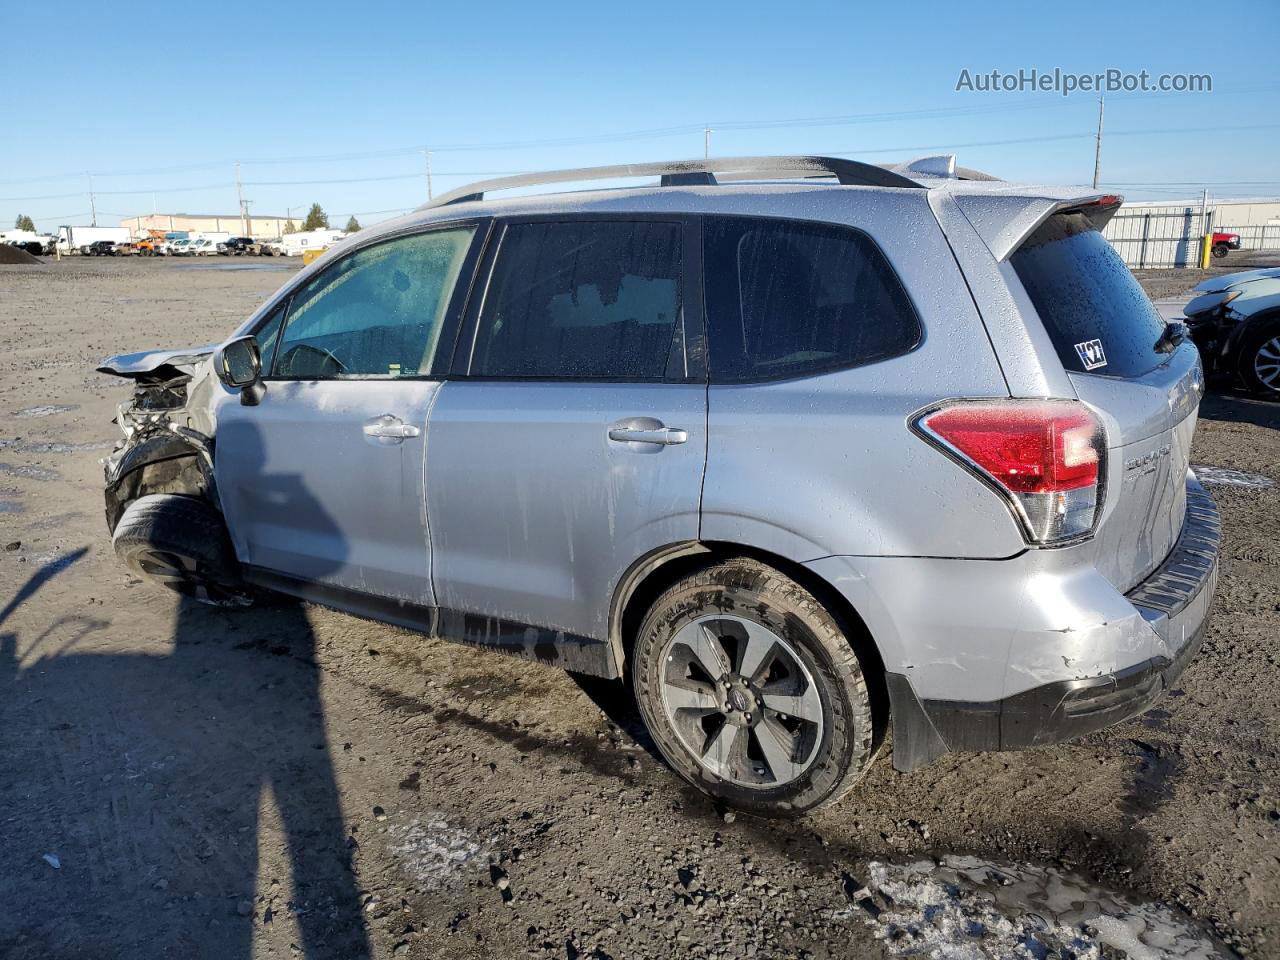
[{"x": 1174, "y": 602}]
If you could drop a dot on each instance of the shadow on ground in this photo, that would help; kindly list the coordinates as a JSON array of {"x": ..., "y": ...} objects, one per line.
[
  {"x": 1240, "y": 408},
  {"x": 136, "y": 787}
]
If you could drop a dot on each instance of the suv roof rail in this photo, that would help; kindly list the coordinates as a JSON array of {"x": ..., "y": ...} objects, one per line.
[{"x": 679, "y": 173}]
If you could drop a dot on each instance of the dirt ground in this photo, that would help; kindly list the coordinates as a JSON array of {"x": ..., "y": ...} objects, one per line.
[{"x": 180, "y": 781}]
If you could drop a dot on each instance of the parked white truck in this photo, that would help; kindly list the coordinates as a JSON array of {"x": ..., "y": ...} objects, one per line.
[
  {"x": 75, "y": 239},
  {"x": 295, "y": 244},
  {"x": 205, "y": 244},
  {"x": 28, "y": 240}
]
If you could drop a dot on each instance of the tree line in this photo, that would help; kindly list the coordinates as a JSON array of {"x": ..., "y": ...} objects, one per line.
[{"x": 317, "y": 219}]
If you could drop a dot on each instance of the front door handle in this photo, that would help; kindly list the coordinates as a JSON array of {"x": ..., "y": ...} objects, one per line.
[
  {"x": 388, "y": 429},
  {"x": 647, "y": 430}
]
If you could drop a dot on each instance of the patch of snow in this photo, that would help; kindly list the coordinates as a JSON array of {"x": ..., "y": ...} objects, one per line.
[
  {"x": 1226, "y": 477},
  {"x": 966, "y": 908},
  {"x": 46, "y": 410},
  {"x": 433, "y": 851}
]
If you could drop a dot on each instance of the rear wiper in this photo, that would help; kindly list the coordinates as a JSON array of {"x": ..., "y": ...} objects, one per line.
[{"x": 1174, "y": 333}]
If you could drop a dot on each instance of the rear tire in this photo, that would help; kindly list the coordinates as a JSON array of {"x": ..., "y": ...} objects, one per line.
[
  {"x": 1259, "y": 359},
  {"x": 181, "y": 543},
  {"x": 752, "y": 692}
]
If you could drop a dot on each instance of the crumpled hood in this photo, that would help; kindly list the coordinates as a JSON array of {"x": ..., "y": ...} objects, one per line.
[{"x": 156, "y": 364}]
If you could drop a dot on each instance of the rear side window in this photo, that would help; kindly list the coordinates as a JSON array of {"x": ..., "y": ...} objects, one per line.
[
  {"x": 1097, "y": 315},
  {"x": 588, "y": 299},
  {"x": 788, "y": 299}
]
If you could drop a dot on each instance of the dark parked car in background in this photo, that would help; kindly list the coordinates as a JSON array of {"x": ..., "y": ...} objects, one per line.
[
  {"x": 235, "y": 246},
  {"x": 100, "y": 248},
  {"x": 1235, "y": 321}
]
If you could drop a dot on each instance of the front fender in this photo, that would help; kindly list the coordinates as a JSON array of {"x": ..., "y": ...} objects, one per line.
[{"x": 165, "y": 460}]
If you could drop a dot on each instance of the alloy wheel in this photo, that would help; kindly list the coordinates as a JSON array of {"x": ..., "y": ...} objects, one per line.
[
  {"x": 741, "y": 701},
  {"x": 1266, "y": 363}
]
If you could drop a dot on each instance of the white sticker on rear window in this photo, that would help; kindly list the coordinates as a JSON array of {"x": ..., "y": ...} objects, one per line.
[{"x": 1091, "y": 354}]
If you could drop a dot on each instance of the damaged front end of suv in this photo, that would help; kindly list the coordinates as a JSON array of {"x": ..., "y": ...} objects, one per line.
[
  {"x": 160, "y": 494},
  {"x": 168, "y": 438}
]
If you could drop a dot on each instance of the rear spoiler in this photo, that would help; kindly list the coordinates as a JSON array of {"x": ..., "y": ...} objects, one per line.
[
  {"x": 1004, "y": 222},
  {"x": 155, "y": 365}
]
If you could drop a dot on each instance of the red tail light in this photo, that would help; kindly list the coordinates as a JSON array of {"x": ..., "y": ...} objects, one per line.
[{"x": 1044, "y": 456}]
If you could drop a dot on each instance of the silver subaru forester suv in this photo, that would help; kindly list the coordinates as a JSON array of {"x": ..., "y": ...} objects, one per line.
[{"x": 806, "y": 449}]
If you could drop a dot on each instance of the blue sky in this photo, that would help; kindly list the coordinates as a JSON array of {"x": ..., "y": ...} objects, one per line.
[{"x": 163, "y": 98}]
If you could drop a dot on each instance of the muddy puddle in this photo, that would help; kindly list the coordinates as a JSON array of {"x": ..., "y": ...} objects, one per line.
[
  {"x": 967, "y": 908},
  {"x": 261, "y": 267}
]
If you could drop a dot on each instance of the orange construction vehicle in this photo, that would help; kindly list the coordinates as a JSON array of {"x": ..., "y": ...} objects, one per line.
[{"x": 149, "y": 245}]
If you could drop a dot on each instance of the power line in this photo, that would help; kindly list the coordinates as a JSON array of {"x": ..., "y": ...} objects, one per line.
[
  {"x": 118, "y": 193},
  {"x": 842, "y": 152},
  {"x": 623, "y": 136},
  {"x": 1194, "y": 183},
  {"x": 1037, "y": 103},
  {"x": 396, "y": 176}
]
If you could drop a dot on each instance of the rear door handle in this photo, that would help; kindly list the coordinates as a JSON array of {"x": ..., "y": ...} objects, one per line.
[
  {"x": 388, "y": 429},
  {"x": 647, "y": 430}
]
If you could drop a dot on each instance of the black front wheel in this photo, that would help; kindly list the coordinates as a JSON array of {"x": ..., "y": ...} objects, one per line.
[
  {"x": 1220, "y": 251},
  {"x": 1260, "y": 359},
  {"x": 181, "y": 543}
]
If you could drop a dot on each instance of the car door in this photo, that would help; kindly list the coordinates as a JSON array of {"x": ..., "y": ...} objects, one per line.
[
  {"x": 321, "y": 482},
  {"x": 571, "y": 439}
]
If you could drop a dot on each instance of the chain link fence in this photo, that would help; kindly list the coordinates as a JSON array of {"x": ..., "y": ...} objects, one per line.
[{"x": 1158, "y": 238}]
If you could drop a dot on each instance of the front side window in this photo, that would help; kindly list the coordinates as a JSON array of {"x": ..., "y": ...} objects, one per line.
[
  {"x": 587, "y": 299},
  {"x": 267, "y": 332},
  {"x": 375, "y": 313},
  {"x": 790, "y": 299}
]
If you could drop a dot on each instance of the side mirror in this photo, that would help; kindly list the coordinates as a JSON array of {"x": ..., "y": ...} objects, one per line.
[{"x": 238, "y": 364}]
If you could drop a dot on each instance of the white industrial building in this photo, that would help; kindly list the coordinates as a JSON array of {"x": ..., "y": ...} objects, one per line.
[{"x": 257, "y": 226}]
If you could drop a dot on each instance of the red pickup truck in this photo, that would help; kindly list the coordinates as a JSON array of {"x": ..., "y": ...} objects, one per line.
[{"x": 1222, "y": 242}]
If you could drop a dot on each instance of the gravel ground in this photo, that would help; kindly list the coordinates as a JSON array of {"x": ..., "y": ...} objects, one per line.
[{"x": 178, "y": 781}]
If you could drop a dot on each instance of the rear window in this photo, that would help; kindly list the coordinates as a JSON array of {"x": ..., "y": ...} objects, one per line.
[
  {"x": 1097, "y": 315},
  {"x": 787, "y": 299}
]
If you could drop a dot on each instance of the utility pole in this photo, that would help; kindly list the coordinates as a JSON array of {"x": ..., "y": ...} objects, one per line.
[
  {"x": 426, "y": 157},
  {"x": 244, "y": 226},
  {"x": 1206, "y": 238},
  {"x": 706, "y": 143},
  {"x": 93, "y": 203},
  {"x": 1097, "y": 150}
]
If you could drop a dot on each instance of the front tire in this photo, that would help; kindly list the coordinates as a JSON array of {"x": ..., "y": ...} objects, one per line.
[
  {"x": 1260, "y": 359},
  {"x": 752, "y": 692},
  {"x": 181, "y": 543},
  {"x": 1220, "y": 251}
]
